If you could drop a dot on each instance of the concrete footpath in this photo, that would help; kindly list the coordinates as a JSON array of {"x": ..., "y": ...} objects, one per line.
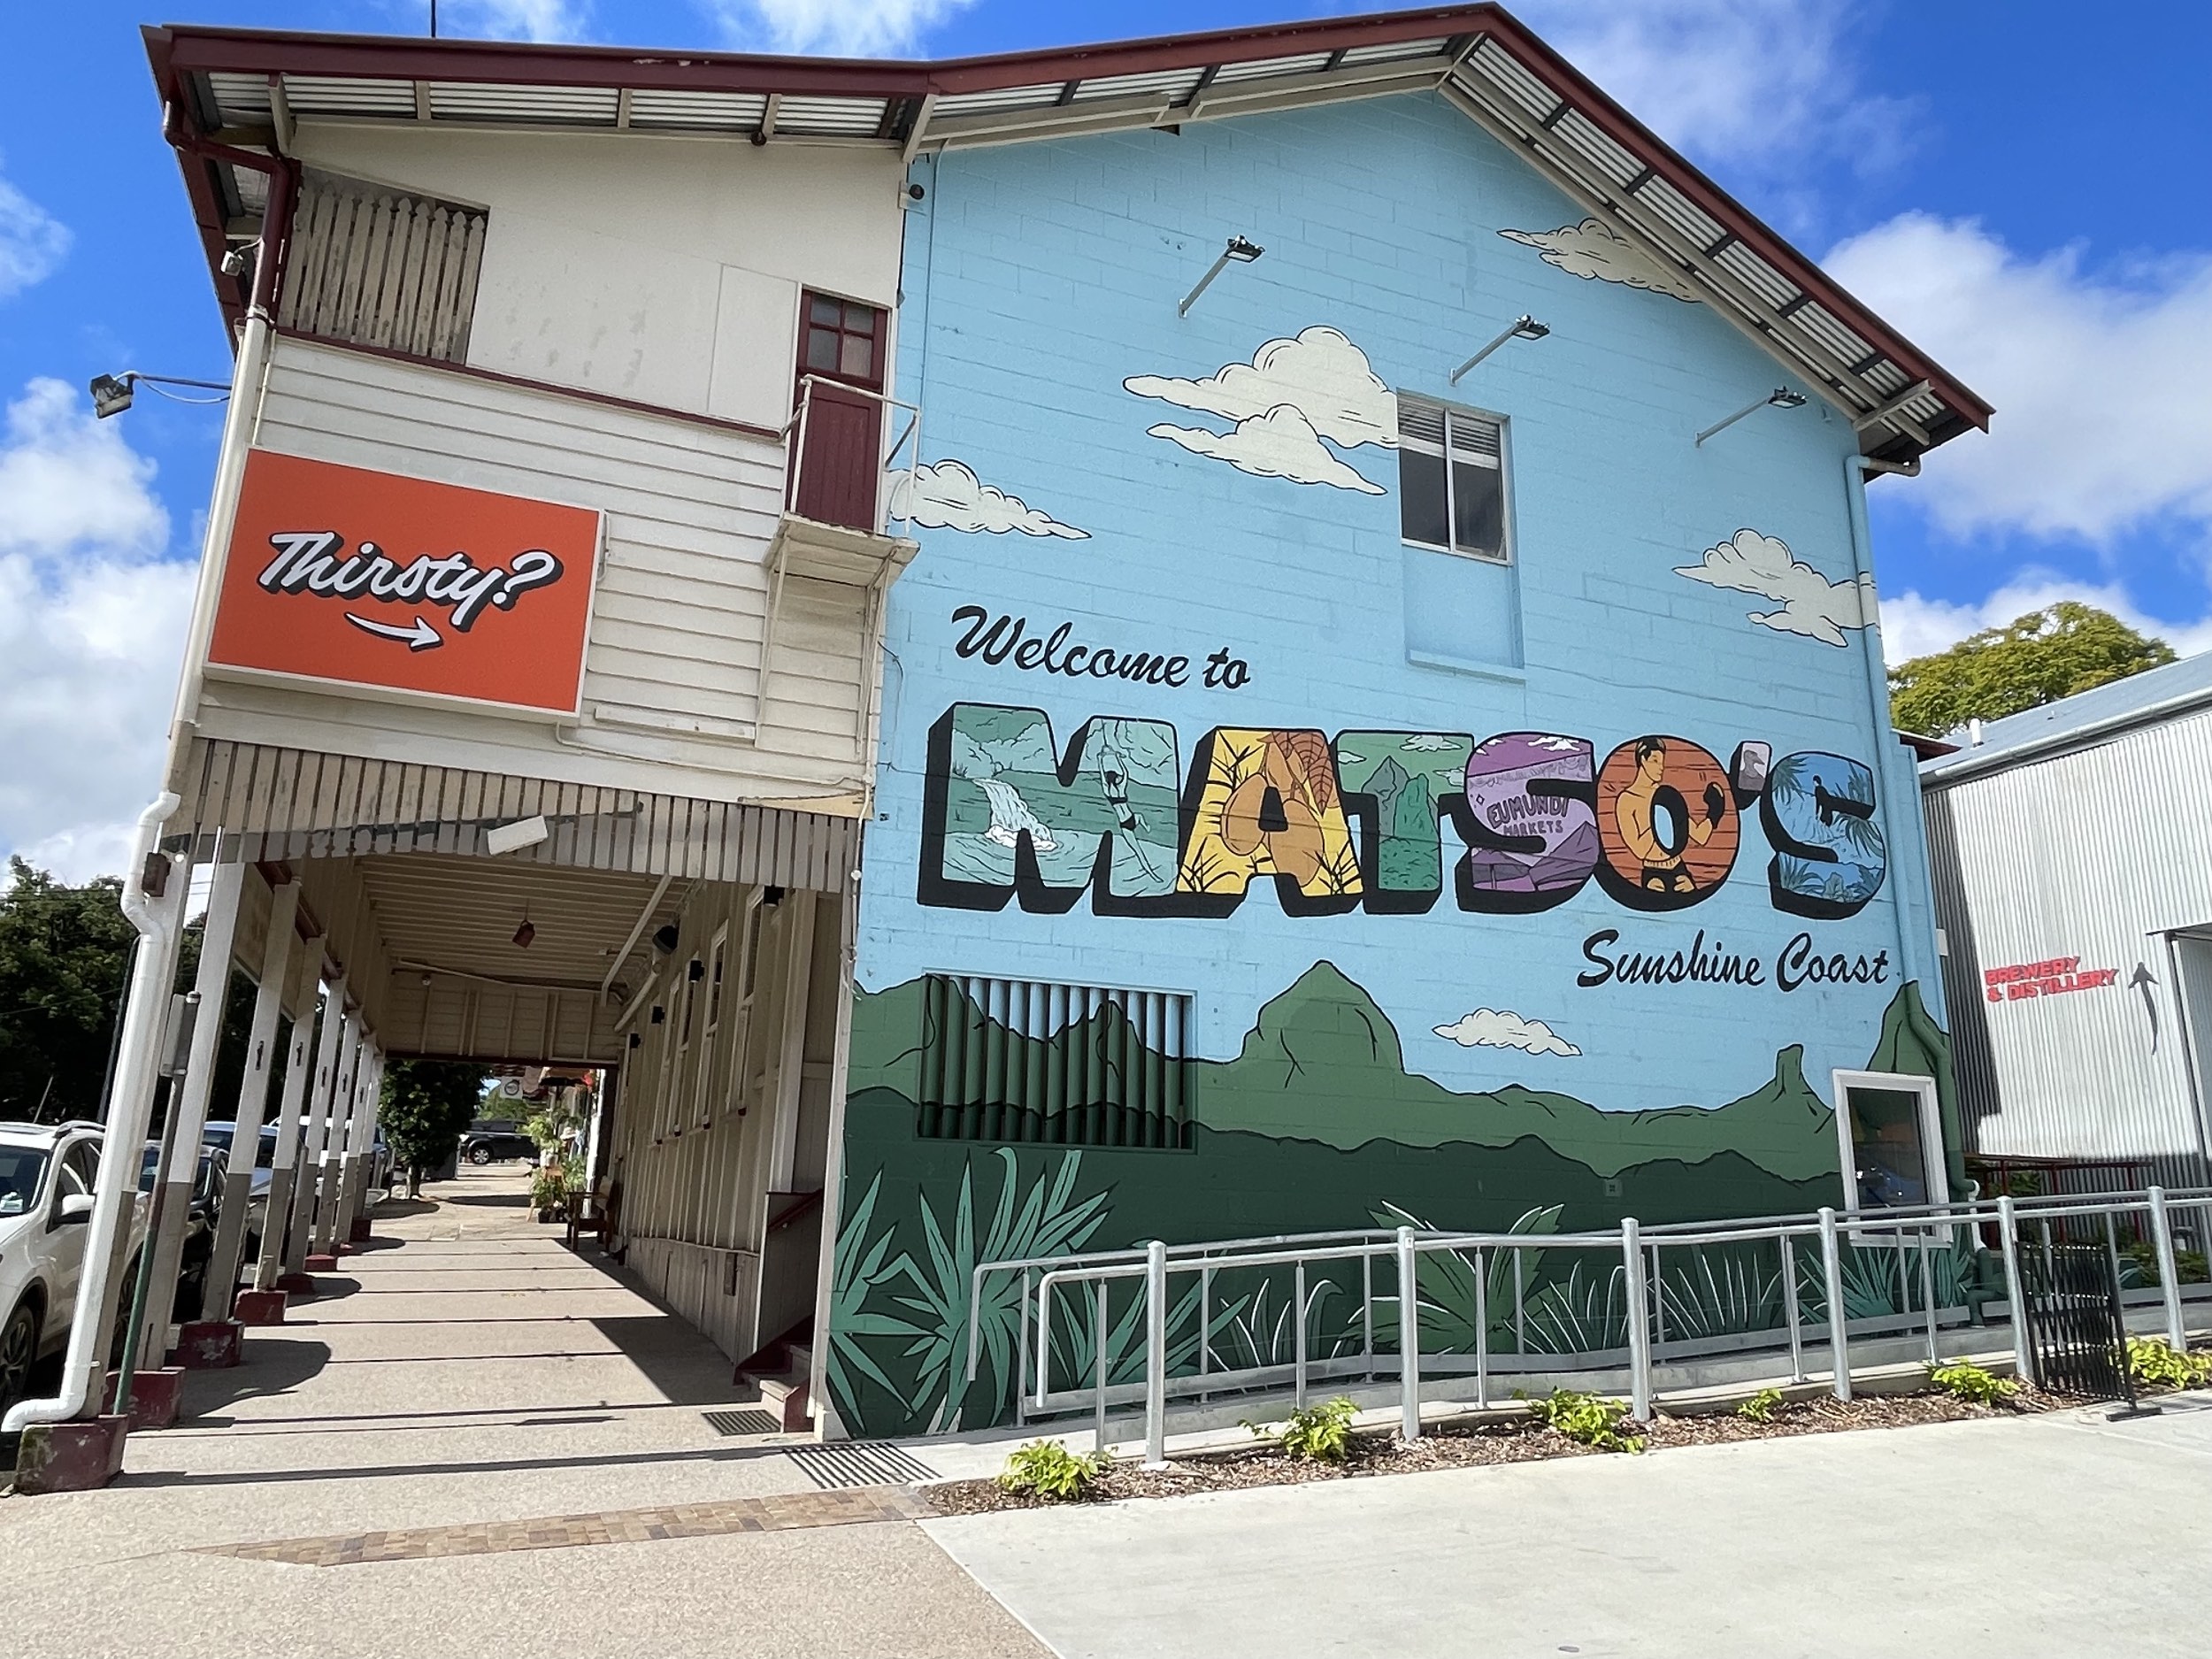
[
  {"x": 2063, "y": 1535},
  {"x": 475, "y": 1442},
  {"x": 354, "y": 1488}
]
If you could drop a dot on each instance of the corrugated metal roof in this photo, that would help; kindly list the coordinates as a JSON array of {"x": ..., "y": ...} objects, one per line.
[{"x": 2086, "y": 715}]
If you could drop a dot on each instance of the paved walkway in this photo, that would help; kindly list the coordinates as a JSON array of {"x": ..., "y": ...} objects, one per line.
[
  {"x": 476, "y": 1442},
  {"x": 2063, "y": 1535}
]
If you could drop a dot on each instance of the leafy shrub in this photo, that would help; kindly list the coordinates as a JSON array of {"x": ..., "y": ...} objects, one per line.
[
  {"x": 1320, "y": 1434},
  {"x": 1759, "y": 1407},
  {"x": 1593, "y": 1421},
  {"x": 2153, "y": 1365},
  {"x": 1973, "y": 1385},
  {"x": 1046, "y": 1469}
]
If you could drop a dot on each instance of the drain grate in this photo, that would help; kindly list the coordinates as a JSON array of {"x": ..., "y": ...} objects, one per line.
[
  {"x": 840, "y": 1463},
  {"x": 747, "y": 1422}
]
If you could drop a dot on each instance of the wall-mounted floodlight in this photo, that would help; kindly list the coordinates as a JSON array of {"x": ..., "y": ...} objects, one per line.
[
  {"x": 1241, "y": 249},
  {"x": 112, "y": 393},
  {"x": 1522, "y": 327},
  {"x": 1781, "y": 397}
]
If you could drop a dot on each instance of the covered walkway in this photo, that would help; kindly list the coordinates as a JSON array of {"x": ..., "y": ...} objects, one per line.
[{"x": 462, "y": 1372}]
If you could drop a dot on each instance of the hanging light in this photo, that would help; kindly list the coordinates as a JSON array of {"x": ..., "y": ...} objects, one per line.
[{"x": 527, "y": 932}]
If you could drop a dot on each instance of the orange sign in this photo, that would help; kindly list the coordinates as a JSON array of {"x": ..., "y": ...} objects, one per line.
[{"x": 400, "y": 585}]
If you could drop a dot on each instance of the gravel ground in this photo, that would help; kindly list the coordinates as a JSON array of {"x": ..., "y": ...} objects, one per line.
[{"x": 1455, "y": 1445}]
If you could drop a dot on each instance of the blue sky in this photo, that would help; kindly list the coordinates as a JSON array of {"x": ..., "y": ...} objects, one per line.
[{"x": 2024, "y": 195}]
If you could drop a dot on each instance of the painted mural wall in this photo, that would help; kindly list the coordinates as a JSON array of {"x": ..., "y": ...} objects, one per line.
[{"x": 1296, "y": 875}]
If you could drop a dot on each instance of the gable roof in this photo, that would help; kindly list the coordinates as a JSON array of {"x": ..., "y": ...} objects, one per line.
[{"x": 247, "y": 87}]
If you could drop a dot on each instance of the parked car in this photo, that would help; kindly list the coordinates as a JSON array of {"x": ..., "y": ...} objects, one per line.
[
  {"x": 47, "y": 1176},
  {"x": 497, "y": 1142},
  {"x": 201, "y": 1219}
]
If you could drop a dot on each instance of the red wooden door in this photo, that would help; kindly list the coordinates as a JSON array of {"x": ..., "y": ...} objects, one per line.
[{"x": 839, "y": 469}]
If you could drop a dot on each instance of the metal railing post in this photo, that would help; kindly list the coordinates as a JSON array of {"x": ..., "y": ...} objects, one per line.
[
  {"x": 1482, "y": 1333},
  {"x": 1927, "y": 1292},
  {"x": 1408, "y": 1341},
  {"x": 1155, "y": 1355},
  {"x": 1021, "y": 1361},
  {"x": 2169, "y": 1269},
  {"x": 1367, "y": 1309},
  {"x": 2023, "y": 1349},
  {"x": 1789, "y": 1305},
  {"x": 1298, "y": 1344},
  {"x": 1098, "y": 1350},
  {"x": 1205, "y": 1324},
  {"x": 1639, "y": 1323},
  {"x": 1832, "y": 1272}
]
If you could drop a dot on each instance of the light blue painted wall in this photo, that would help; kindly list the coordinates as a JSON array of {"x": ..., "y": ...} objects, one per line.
[{"x": 1038, "y": 276}]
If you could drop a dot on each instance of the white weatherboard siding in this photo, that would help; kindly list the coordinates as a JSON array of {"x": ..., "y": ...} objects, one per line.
[
  {"x": 648, "y": 267},
  {"x": 2094, "y": 853},
  {"x": 680, "y": 611}
]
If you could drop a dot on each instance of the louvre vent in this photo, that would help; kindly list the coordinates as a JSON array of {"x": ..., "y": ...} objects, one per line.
[
  {"x": 1020, "y": 1060},
  {"x": 375, "y": 266}
]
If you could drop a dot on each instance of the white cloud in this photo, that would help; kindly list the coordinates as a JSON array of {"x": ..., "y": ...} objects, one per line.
[
  {"x": 1594, "y": 250},
  {"x": 1750, "y": 563},
  {"x": 1744, "y": 81},
  {"x": 1500, "y": 1028},
  {"x": 32, "y": 240},
  {"x": 91, "y": 627},
  {"x": 1914, "y": 626},
  {"x": 2100, "y": 381},
  {"x": 69, "y": 481},
  {"x": 841, "y": 29},
  {"x": 1321, "y": 374},
  {"x": 949, "y": 497},
  {"x": 515, "y": 20},
  {"x": 1280, "y": 443}
]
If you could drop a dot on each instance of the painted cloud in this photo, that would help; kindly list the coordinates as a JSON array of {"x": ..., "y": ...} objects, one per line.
[
  {"x": 1500, "y": 1028},
  {"x": 1750, "y": 563},
  {"x": 1279, "y": 443},
  {"x": 949, "y": 497},
  {"x": 1321, "y": 374},
  {"x": 1594, "y": 249}
]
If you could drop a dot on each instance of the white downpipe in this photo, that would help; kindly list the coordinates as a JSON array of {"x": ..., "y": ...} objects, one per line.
[
  {"x": 248, "y": 383},
  {"x": 145, "y": 1014}
]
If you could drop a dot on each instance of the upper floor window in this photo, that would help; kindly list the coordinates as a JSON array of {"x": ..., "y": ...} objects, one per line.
[
  {"x": 845, "y": 339},
  {"x": 1451, "y": 479}
]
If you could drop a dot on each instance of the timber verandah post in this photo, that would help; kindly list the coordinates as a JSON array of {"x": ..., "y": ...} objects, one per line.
[
  {"x": 252, "y": 1106},
  {"x": 284, "y": 1158},
  {"x": 337, "y": 1025}
]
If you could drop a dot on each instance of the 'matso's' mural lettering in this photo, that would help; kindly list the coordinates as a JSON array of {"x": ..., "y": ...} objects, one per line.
[{"x": 1357, "y": 822}]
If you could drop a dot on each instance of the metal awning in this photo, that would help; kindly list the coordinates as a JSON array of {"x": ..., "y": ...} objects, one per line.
[{"x": 248, "y": 88}]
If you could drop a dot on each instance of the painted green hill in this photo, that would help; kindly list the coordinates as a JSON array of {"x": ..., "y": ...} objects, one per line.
[{"x": 1323, "y": 1062}]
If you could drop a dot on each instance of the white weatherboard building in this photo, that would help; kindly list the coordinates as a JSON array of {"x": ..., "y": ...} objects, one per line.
[{"x": 2072, "y": 861}]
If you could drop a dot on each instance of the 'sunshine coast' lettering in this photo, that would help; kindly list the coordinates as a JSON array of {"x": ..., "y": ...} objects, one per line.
[
  {"x": 314, "y": 562},
  {"x": 1355, "y": 820}
]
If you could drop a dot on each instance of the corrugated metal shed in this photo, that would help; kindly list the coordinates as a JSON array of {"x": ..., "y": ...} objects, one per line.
[{"x": 2072, "y": 866}]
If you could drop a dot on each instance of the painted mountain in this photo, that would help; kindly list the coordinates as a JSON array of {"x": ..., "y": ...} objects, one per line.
[{"x": 1314, "y": 1124}]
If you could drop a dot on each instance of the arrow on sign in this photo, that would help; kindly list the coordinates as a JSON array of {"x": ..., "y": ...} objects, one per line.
[
  {"x": 2142, "y": 981},
  {"x": 421, "y": 637}
]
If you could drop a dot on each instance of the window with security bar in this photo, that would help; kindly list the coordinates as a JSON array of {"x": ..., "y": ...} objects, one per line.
[
  {"x": 1077, "y": 1065},
  {"x": 1451, "y": 479}
]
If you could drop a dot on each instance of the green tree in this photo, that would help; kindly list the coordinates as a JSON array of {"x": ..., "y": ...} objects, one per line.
[
  {"x": 426, "y": 1105},
  {"x": 2035, "y": 659},
  {"x": 62, "y": 953}
]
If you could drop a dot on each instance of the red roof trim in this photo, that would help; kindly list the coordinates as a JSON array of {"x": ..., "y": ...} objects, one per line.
[{"x": 176, "y": 51}]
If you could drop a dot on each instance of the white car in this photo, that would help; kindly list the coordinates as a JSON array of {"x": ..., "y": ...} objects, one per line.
[{"x": 47, "y": 1172}]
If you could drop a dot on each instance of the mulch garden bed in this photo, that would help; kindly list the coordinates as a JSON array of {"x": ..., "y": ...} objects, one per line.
[{"x": 1450, "y": 1445}]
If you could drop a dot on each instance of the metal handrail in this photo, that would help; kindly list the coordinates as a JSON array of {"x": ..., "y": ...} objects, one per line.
[{"x": 1916, "y": 1227}]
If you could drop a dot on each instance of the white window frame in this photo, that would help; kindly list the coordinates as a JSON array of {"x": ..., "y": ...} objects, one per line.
[
  {"x": 711, "y": 1025},
  {"x": 1935, "y": 1176},
  {"x": 1504, "y": 557}
]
